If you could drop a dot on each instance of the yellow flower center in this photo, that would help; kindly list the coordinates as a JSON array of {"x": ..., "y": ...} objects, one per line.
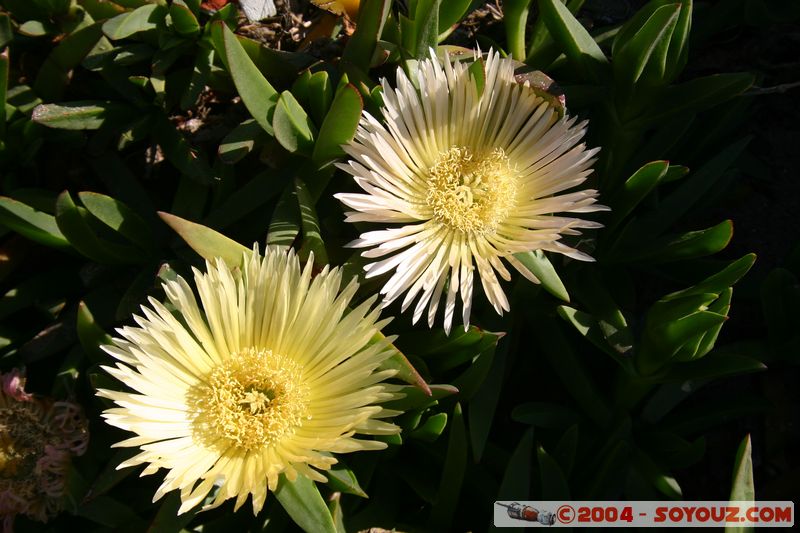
[
  {"x": 471, "y": 193},
  {"x": 252, "y": 400}
]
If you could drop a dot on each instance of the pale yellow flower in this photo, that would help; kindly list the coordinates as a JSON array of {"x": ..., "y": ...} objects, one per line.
[
  {"x": 463, "y": 177},
  {"x": 268, "y": 374}
]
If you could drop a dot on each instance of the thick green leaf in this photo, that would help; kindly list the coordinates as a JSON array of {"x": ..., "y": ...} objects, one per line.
[
  {"x": 718, "y": 282},
  {"x": 191, "y": 195},
  {"x": 742, "y": 485},
  {"x": 342, "y": 479},
  {"x": 579, "y": 47},
  {"x": 293, "y": 129},
  {"x": 409, "y": 422},
  {"x": 666, "y": 398},
  {"x": 566, "y": 448},
  {"x": 673, "y": 451},
  {"x": 678, "y": 52},
  {"x": 662, "y": 481},
  {"x": 593, "y": 291},
  {"x": 208, "y": 243},
  {"x": 704, "y": 343},
  {"x": 667, "y": 329},
  {"x": 119, "y": 217},
  {"x": 442, "y": 352},
  {"x": 136, "y": 293},
  {"x": 4, "y": 64},
  {"x": 320, "y": 95},
  {"x": 675, "y": 247},
  {"x": 79, "y": 115},
  {"x": 477, "y": 71},
  {"x": 516, "y": 480},
  {"x": 554, "y": 483},
  {"x": 302, "y": 501},
  {"x": 111, "y": 513},
  {"x": 713, "y": 367},
  {"x": 22, "y": 97},
  {"x": 644, "y": 44},
  {"x": 606, "y": 473},
  {"x": 145, "y": 18},
  {"x": 670, "y": 308},
  {"x": 425, "y": 344},
  {"x": 73, "y": 221},
  {"x": 285, "y": 224},
  {"x": 337, "y": 513},
  {"x": 46, "y": 342},
  {"x": 183, "y": 20},
  {"x": 60, "y": 283},
  {"x": 542, "y": 49},
  {"x": 300, "y": 87},
  {"x": 200, "y": 76},
  {"x": 31, "y": 223},
  {"x": 257, "y": 94},
  {"x": 36, "y": 9},
  {"x": 693, "y": 96},
  {"x": 110, "y": 476},
  {"x": 431, "y": 429},
  {"x": 569, "y": 369},
  {"x": 426, "y": 28},
  {"x": 675, "y": 206},
  {"x": 450, "y": 12},
  {"x": 339, "y": 126},
  {"x": 635, "y": 189},
  {"x": 121, "y": 183},
  {"x": 102, "y": 9},
  {"x": 360, "y": 47},
  {"x": 590, "y": 328},
  {"x": 665, "y": 136},
  {"x": 54, "y": 73},
  {"x": 471, "y": 380},
  {"x": 241, "y": 141},
  {"x": 542, "y": 269},
  {"x": 700, "y": 419},
  {"x": 482, "y": 407},
  {"x": 6, "y": 31},
  {"x": 455, "y": 463},
  {"x": 309, "y": 223},
  {"x": 124, "y": 55},
  {"x": 416, "y": 398},
  {"x": 167, "y": 519},
  {"x": 405, "y": 370},
  {"x": 91, "y": 335},
  {"x": 279, "y": 67},
  {"x": 515, "y": 17},
  {"x": 258, "y": 191},
  {"x": 667, "y": 49}
]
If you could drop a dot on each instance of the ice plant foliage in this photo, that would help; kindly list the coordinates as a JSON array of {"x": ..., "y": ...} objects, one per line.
[
  {"x": 267, "y": 374},
  {"x": 466, "y": 176},
  {"x": 38, "y": 437}
]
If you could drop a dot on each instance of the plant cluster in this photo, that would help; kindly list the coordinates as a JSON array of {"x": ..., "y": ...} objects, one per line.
[{"x": 142, "y": 139}]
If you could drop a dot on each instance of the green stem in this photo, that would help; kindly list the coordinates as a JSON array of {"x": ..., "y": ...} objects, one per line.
[{"x": 515, "y": 13}]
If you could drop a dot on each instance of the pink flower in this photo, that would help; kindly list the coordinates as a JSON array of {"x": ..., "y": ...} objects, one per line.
[
  {"x": 38, "y": 438},
  {"x": 14, "y": 384}
]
